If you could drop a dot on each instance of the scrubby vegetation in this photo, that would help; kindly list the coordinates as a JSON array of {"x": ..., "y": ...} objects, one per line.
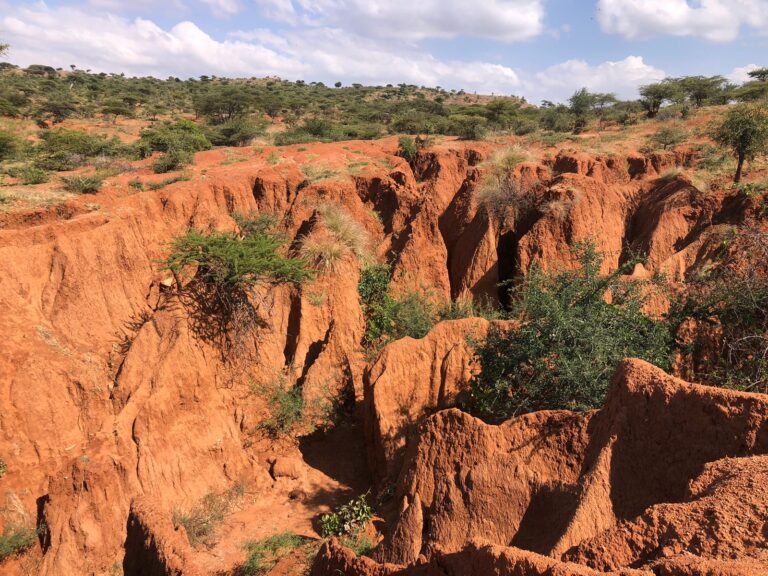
[
  {"x": 202, "y": 520},
  {"x": 347, "y": 520},
  {"x": 285, "y": 403},
  {"x": 264, "y": 554},
  {"x": 575, "y": 327},
  {"x": 15, "y": 540}
]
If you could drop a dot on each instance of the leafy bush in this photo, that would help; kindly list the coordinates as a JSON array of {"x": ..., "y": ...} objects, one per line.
[
  {"x": 64, "y": 149},
  {"x": 390, "y": 318},
  {"x": 349, "y": 519},
  {"x": 569, "y": 342},
  {"x": 231, "y": 261},
  {"x": 9, "y": 145},
  {"x": 83, "y": 184},
  {"x": 733, "y": 298},
  {"x": 15, "y": 540},
  {"x": 407, "y": 148},
  {"x": 184, "y": 136},
  {"x": 174, "y": 159},
  {"x": 285, "y": 403},
  {"x": 468, "y": 127},
  {"x": 31, "y": 175},
  {"x": 264, "y": 554},
  {"x": 3, "y": 468},
  {"x": 669, "y": 136},
  {"x": 235, "y": 132}
]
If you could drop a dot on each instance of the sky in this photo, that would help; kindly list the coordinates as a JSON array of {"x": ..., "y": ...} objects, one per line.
[{"x": 539, "y": 49}]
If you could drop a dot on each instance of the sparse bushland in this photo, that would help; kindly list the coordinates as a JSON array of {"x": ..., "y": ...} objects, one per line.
[
  {"x": 744, "y": 130},
  {"x": 16, "y": 540},
  {"x": 202, "y": 521},
  {"x": 264, "y": 554},
  {"x": 347, "y": 520},
  {"x": 569, "y": 341}
]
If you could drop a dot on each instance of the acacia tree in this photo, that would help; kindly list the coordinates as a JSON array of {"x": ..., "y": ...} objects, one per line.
[
  {"x": 745, "y": 131},
  {"x": 654, "y": 95}
]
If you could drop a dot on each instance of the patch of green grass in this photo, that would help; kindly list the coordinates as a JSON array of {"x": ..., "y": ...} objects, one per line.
[
  {"x": 264, "y": 554},
  {"x": 136, "y": 184},
  {"x": 168, "y": 181},
  {"x": 274, "y": 158}
]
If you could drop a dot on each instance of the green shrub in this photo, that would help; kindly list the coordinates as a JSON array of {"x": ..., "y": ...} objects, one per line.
[
  {"x": 264, "y": 554},
  {"x": 15, "y": 540},
  {"x": 63, "y": 149},
  {"x": 235, "y": 132},
  {"x": 83, "y": 184},
  {"x": 407, "y": 148},
  {"x": 285, "y": 403},
  {"x": 669, "y": 136},
  {"x": 136, "y": 184},
  {"x": 391, "y": 318},
  {"x": 9, "y": 145},
  {"x": 569, "y": 342},
  {"x": 349, "y": 519},
  {"x": 183, "y": 136},
  {"x": 3, "y": 468},
  {"x": 31, "y": 175},
  {"x": 174, "y": 159},
  {"x": 232, "y": 261},
  {"x": 468, "y": 127},
  {"x": 733, "y": 297}
]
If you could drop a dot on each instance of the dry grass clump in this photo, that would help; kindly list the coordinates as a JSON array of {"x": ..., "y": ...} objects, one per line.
[{"x": 340, "y": 237}]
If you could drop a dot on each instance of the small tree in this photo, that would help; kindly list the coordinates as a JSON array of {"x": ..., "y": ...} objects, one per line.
[
  {"x": 669, "y": 136},
  {"x": 4, "y": 49},
  {"x": 745, "y": 131}
]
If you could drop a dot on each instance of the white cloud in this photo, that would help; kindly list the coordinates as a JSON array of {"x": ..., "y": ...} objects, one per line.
[
  {"x": 741, "y": 74},
  {"x": 411, "y": 20},
  {"x": 621, "y": 78},
  {"x": 715, "y": 20},
  {"x": 223, "y": 7}
]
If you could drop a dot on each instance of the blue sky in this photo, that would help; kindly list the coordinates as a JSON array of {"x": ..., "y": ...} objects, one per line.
[{"x": 533, "y": 48}]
